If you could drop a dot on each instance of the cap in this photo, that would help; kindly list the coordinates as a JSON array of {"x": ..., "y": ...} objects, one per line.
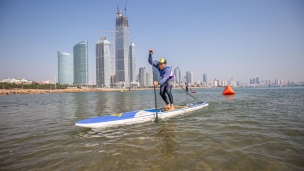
[{"x": 162, "y": 61}]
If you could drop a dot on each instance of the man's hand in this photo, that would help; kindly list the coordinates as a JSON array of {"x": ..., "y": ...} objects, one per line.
[
  {"x": 155, "y": 83},
  {"x": 151, "y": 51}
]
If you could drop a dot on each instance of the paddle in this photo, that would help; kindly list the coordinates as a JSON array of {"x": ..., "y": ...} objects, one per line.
[{"x": 156, "y": 118}]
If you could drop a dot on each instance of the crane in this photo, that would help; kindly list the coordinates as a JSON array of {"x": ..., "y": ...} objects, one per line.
[{"x": 112, "y": 47}]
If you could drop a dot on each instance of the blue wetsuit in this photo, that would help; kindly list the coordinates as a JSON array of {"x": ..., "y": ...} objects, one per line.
[{"x": 166, "y": 82}]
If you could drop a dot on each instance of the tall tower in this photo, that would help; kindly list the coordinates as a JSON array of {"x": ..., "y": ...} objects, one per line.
[
  {"x": 177, "y": 74},
  {"x": 103, "y": 62},
  {"x": 142, "y": 77},
  {"x": 81, "y": 71},
  {"x": 257, "y": 80},
  {"x": 191, "y": 75},
  {"x": 65, "y": 68},
  {"x": 122, "y": 49},
  {"x": 205, "y": 78},
  {"x": 132, "y": 57}
]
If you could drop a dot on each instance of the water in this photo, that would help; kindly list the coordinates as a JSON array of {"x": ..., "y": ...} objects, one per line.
[{"x": 256, "y": 129}]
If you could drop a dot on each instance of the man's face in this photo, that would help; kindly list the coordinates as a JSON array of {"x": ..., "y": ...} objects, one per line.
[{"x": 162, "y": 66}]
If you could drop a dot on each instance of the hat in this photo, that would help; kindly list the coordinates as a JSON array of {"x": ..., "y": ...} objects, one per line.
[{"x": 162, "y": 61}]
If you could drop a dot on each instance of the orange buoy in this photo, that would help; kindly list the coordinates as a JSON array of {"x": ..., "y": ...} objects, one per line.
[{"x": 228, "y": 91}]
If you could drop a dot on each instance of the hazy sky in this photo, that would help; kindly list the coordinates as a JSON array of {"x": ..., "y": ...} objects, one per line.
[{"x": 223, "y": 38}]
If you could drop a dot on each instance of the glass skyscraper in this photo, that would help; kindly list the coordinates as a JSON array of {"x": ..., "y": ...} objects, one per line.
[
  {"x": 122, "y": 49},
  {"x": 132, "y": 57},
  {"x": 81, "y": 73},
  {"x": 65, "y": 68},
  {"x": 205, "y": 78},
  {"x": 177, "y": 74},
  {"x": 103, "y": 63}
]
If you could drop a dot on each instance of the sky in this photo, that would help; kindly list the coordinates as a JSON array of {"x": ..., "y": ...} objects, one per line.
[{"x": 223, "y": 38}]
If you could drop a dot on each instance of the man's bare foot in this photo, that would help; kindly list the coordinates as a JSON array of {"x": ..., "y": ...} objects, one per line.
[
  {"x": 167, "y": 107},
  {"x": 172, "y": 107}
]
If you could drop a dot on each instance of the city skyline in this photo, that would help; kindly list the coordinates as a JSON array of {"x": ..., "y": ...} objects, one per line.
[{"x": 223, "y": 39}]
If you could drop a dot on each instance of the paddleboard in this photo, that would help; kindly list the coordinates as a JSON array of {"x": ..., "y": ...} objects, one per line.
[{"x": 137, "y": 116}]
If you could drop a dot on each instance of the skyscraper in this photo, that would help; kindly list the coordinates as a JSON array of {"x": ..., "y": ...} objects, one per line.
[
  {"x": 142, "y": 77},
  {"x": 257, "y": 80},
  {"x": 190, "y": 77},
  {"x": 103, "y": 62},
  {"x": 132, "y": 57},
  {"x": 177, "y": 75},
  {"x": 81, "y": 73},
  {"x": 65, "y": 68},
  {"x": 205, "y": 78},
  {"x": 122, "y": 49}
]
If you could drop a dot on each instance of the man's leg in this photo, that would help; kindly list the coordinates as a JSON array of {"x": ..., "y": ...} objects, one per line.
[
  {"x": 168, "y": 91},
  {"x": 163, "y": 95}
]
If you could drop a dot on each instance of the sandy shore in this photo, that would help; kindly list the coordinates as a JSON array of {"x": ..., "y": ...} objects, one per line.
[
  {"x": 68, "y": 90},
  {"x": 45, "y": 91}
]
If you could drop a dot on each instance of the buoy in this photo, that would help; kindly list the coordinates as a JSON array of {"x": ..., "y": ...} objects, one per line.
[{"x": 228, "y": 91}]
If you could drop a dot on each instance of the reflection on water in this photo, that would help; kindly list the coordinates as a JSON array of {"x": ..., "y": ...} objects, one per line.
[
  {"x": 166, "y": 133},
  {"x": 229, "y": 97},
  {"x": 257, "y": 129}
]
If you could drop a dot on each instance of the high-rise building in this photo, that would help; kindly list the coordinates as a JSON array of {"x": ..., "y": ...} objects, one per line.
[
  {"x": 257, "y": 80},
  {"x": 177, "y": 75},
  {"x": 187, "y": 77},
  {"x": 122, "y": 49},
  {"x": 103, "y": 62},
  {"x": 142, "y": 77},
  {"x": 190, "y": 77},
  {"x": 132, "y": 57},
  {"x": 149, "y": 79},
  {"x": 65, "y": 68},
  {"x": 81, "y": 70},
  {"x": 205, "y": 78}
]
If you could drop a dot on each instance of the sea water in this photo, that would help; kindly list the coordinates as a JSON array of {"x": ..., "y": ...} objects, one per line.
[{"x": 256, "y": 129}]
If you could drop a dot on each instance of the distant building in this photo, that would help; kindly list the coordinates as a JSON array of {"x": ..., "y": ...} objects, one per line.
[
  {"x": 132, "y": 56},
  {"x": 205, "y": 78},
  {"x": 122, "y": 50},
  {"x": 190, "y": 77},
  {"x": 142, "y": 77},
  {"x": 149, "y": 79},
  {"x": 17, "y": 81},
  {"x": 65, "y": 68},
  {"x": 257, "y": 79},
  {"x": 81, "y": 71},
  {"x": 177, "y": 75},
  {"x": 103, "y": 63},
  {"x": 48, "y": 82}
]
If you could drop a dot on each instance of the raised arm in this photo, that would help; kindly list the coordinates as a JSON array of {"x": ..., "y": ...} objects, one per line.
[{"x": 155, "y": 63}]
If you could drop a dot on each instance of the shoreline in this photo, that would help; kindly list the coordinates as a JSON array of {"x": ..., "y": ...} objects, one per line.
[{"x": 4, "y": 92}]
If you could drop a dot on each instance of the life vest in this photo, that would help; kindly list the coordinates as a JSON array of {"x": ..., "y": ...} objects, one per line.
[{"x": 162, "y": 72}]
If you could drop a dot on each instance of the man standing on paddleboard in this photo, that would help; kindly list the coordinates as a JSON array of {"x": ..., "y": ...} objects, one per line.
[{"x": 166, "y": 82}]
